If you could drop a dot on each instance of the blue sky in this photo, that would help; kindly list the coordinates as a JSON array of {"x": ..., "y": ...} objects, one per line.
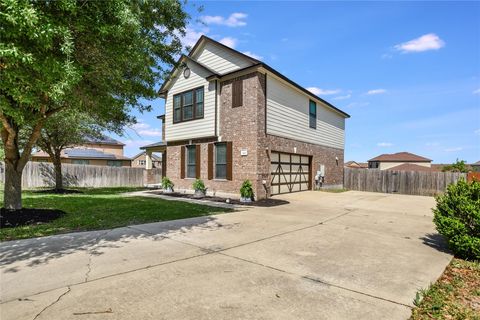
[{"x": 408, "y": 73}]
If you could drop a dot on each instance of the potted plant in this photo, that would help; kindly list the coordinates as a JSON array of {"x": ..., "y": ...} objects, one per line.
[
  {"x": 200, "y": 189},
  {"x": 167, "y": 185},
  {"x": 246, "y": 192}
]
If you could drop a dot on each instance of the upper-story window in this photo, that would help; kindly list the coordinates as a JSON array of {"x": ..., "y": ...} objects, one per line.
[
  {"x": 373, "y": 165},
  {"x": 313, "y": 114},
  {"x": 188, "y": 105}
]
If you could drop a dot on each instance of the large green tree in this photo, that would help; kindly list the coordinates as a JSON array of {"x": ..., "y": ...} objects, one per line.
[
  {"x": 99, "y": 57},
  {"x": 68, "y": 129}
]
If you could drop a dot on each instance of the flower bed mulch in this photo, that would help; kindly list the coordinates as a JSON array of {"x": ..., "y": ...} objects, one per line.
[
  {"x": 27, "y": 216},
  {"x": 259, "y": 203}
]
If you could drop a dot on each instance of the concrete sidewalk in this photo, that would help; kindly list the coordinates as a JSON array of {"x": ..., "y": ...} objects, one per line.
[{"x": 351, "y": 255}]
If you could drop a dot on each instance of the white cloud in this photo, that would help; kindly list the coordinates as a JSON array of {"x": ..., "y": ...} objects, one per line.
[
  {"x": 192, "y": 35},
  {"x": 324, "y": 92},
  {"x": 150, "y": 132},
  {"x": 229, "y": 42},
  {"x": 476, "y": 91},
  {"x": 453, "y": 149},
  {"x": 144, "y": 129},
  {"x": 253, "y": 55},
  {"x": 140, "y": 125},
  {"x": 384, "y": 144},
  {"x": 426, "y": 42},
  {"x": 347, "y": 96},
  {"x": 236, "y": 19},
  {"x": 376, "y": 91},
  {"x": 136, "y": 143}
]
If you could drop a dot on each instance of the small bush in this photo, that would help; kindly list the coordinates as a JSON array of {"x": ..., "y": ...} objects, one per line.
[
  {"x": 198, "y": 185},
  {"x": 246, "y": 191},
  {"x": 167, "y": 183},
  {"x": 457, "y": 217}
]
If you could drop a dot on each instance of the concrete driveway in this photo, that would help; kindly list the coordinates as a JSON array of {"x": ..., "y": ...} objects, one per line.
[{"x": 351, "y": 255}]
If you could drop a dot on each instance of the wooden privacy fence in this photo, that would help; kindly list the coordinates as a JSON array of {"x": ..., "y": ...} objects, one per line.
[
  {"x": 404, "y": 182},
  {"x": 40, "y": 174}
]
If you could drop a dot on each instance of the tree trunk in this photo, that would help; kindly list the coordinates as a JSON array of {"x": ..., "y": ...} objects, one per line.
[
  {"x": 57, "y": 165},
  {"x": 13, "y": 187}
]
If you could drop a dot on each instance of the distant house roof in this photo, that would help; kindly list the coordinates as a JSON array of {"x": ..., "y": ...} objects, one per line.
[
  {"x": 354, "y": 164},
  {"x": 82, "y": 153},
  {"x": 156, "y": 144},
  {"x": 476, "y": 163},
  {"x": 154, "y": 156},
  {"x": 410, "y": 167},
  {"x": 400, "y": 157},
  {"x": 103, "y": 140}
]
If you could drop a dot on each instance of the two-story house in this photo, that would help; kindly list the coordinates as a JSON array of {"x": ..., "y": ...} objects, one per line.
[
  {"x": 230, "y": 117},
  {"x": 98, "y": 151},
  {"x": 400, "y": 161}
]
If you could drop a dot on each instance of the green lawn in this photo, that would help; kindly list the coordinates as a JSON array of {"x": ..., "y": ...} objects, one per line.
[
  {"x": 456, "y": 295},
  {"x": 102, "y": 208}
]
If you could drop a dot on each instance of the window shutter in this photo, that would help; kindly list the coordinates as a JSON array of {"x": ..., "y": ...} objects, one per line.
[
  {"x": 182, "y": 162},
  {"x": 197, "y": 161},
  {"x": 229, "y": 160},
  {"x": 237, "y": 93},
  {"x": 164, "y": 164},
  {"x": 210, "y": 161}
]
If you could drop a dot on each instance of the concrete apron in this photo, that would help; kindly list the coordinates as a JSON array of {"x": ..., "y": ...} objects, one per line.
[{"x": 323, "y": 256}]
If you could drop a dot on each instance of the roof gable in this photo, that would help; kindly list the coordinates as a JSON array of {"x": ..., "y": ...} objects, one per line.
[
  {"x": 400, "y": 157},
  {"x": 219, "y": 57}
]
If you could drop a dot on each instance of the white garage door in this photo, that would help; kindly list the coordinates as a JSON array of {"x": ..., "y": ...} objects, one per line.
[{"x": 290, "y": 172}]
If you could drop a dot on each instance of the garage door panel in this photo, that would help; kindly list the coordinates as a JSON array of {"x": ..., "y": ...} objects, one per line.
[
  {"x": 285, "y": 167},
  {"x": 290, "y": 172},
  {"x": 284, "y": 157}
]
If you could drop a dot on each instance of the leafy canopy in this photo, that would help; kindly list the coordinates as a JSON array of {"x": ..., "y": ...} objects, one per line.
[
  {"x": 98, "y": 56},
  {"x": 458, "y": 166}
]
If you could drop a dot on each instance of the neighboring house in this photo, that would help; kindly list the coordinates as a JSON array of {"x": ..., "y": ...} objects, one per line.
[
  {"x": 140, "y": 160},
  {"x": 475, "y": 166},
  {"x": 103, "y": 151},
  {"x": 402, "y": 161},
  {"x": 230, "y": 117},
  {"x": 356, "y": 165}
]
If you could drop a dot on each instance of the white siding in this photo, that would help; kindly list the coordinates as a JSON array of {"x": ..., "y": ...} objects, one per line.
[
  {"x": 220, "y": 59},
  {"x": 288, "y": 116},
  {"x": 195, "y": 128}
]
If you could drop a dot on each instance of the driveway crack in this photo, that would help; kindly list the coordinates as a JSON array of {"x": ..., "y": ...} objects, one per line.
[
  {"x": 53, "y": 303},
  {"x": 91, "y": 252}
]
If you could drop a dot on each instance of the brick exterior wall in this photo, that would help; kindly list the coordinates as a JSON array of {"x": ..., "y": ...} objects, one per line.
[{"x": 245, "y": 127}]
